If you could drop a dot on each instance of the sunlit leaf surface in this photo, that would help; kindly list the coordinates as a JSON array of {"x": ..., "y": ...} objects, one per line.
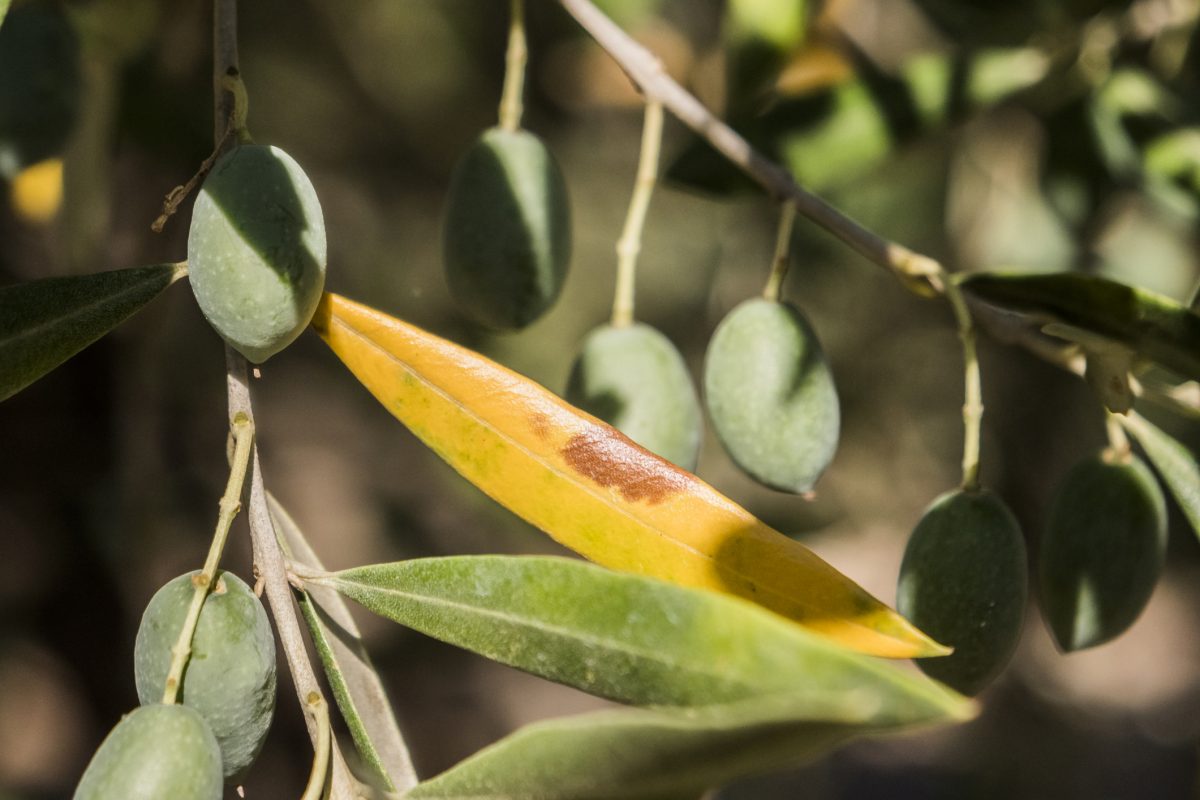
[{"x": 593, "y": 489}]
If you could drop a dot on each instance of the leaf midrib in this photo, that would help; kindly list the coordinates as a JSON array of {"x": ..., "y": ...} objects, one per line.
[
  {"x": 41, "y": 327},
  {"x": 518, "y": 621}
]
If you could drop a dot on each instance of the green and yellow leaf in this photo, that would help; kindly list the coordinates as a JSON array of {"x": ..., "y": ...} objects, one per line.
[{"x": 594, "y": 490}]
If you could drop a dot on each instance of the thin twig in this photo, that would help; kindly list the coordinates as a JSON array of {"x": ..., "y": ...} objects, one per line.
[
  {"x": 920, "y": 273},
  {"x": 268, "y": 559},
  {"x": 319, "y": 775},
  {"x": 630, "y": 243},
  {"x": 512, "y": 102},
  {"x": 176, "y": 196},
  {"x": 972, "y": 410},
  {"x": 1118, "y": 450},
  {"x": 783, "y": 253},
  {"x": 271, "y": 568},
  {"x": 230, "y": 505}
]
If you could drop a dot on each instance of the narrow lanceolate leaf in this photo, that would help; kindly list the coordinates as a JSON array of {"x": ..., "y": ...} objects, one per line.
[
  {"x": 626, "y": 637},
  {"x": 1155, "y": 327},
  {"x": 1174, "y": 462},
  {"x": 591, "y": 488},
  {"x": 3, "y": 10},
  {"x": 636, "y": 753},
  {"x": 356, "y": 684},
  {"x": 43, "y": 323}
]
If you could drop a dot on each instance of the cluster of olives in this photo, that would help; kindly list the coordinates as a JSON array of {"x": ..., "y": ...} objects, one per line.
[
  {"x": 256, "y": 263},
  {"x": 767, "y": 385},
  {"x": 964, "y": 575},
  {"x": 773, "y": 405},
  {"x": 769, "y": 390},
  {"x": 186, "y": 750}
]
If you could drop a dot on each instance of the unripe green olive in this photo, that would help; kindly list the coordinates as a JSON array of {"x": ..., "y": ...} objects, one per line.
[
  {"x": 963, "y": 581},
  {"x": 230, "y": 677},
  {"x": 634, "y": 379},
  {"x": 1103, "y": 550},
  {"x": 256, "y": 250},
  {"x": 770, "y": 395},
  {"x": 507, "y": 233},
  {"x": 155, "y": 752}
]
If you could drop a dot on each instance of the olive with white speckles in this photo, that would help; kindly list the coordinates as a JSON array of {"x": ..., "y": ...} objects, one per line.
[
  {"x": 157, "y": 751},
  {"x": 770, "y": 395},
  {"x": 256, "y": 250},
  {"x": 230, "y": 677}
]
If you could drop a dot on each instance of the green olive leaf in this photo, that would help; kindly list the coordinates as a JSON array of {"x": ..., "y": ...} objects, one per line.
[
  {"x": 356, "y": 685},
  {"x": 637, "y": 753},
  {"x": 3, "y": 10},
  {"x": 1175, "y": 463},
  {"x": 45, "y": 322},
  {"x": 1155, "y": 327},
  {"x": 625, "y": 637}
]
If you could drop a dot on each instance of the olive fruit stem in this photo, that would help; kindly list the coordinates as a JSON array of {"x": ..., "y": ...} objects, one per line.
[
  {"x": 630, "y": 243},
  {"x": 235, "y": 128},
  {"x": 320, "y": 767},
  {"x": 1118, "y": 450},
  {"x": 232, "y": 82},
  {"x": 783, "y": 253},
  {"x": 242, "y": 430},
  {"x": 511, "y": 103},
  {"x": 176, "y": 196},
  {"x": 972, "y": 409}
]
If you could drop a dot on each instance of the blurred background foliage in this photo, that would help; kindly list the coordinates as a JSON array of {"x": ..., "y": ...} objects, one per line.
[{"x": 1036, "y": 134}]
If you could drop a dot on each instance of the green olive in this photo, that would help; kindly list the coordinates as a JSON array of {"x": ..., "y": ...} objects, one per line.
[
  {"x": 256, "y": 250},
  {"x": 963, "y": 581},
  {"x": 230, "y": 677},
  {"x": 770, "y": 395},
  {"x": 507, "y": 232},
  {"x": 634, "y": 379},
  {"x": 155, "y": 752},
  {"x": 1103, "y": 550}
]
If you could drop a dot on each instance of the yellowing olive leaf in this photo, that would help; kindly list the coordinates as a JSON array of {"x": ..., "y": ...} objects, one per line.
[
  {"x": 625, "y": 637},
  {"x": 591, "y": 488},
  {"x": 1155, "y": 327},
  {"x": 43, "y": 323},
  {"x": 1174, "y": 462},
  {"x": 356, "y": 685},
  {"x": 3, "y": 10},
  {"x": 637, "y": 753}
]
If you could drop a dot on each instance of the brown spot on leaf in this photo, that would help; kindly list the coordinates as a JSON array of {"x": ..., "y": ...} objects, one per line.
[
  {"x": 540, "y": 423},
  {"x": 613, "y": 461}
]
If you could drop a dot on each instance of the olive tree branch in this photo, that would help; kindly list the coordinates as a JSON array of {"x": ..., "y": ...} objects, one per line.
[
  {"x": 268, "y": 559},
  {"x": 920, "y": 273}
]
